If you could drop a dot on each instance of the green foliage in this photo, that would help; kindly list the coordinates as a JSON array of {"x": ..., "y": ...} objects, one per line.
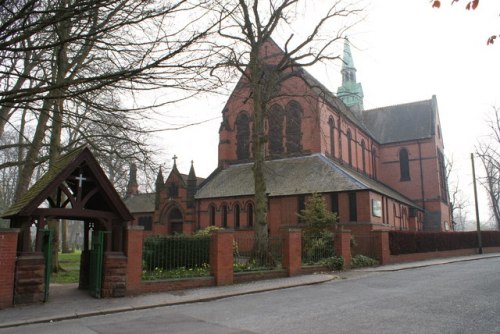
[
  {"x": 208, "y": 230},
  {"x": 317, "y": 241},
  {"x": 316, "y": 247},
  {"x": 360, "y": 261},
  {"x": 316, "y": 216},
  {"x": 180, "y": 272},
  {"x": 171, "y": 252},
  {"x": 333, "y": 262}
]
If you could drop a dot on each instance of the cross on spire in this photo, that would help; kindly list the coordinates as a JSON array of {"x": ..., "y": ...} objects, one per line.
[{"x": 174, "y": 158}]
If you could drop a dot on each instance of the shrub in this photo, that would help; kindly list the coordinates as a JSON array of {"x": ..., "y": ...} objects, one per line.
[
  {"x": 333, "y": 262},
  {"x": 168, "y": 252},
  {"x": 360, "y": 261},
  {"x": 317, "y": 247},
  {"x": 317, "y": 240}
]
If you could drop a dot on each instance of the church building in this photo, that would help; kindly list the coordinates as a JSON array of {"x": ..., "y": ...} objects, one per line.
[{"x": 378, "y": 169}]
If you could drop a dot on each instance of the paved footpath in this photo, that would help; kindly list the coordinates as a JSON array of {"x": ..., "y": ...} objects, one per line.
[{"x": 67, "y": 302}]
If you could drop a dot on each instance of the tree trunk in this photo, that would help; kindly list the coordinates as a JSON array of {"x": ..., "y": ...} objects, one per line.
[
  {"x": 33, "y": 153},
  {"x": 64, "y": 236}
]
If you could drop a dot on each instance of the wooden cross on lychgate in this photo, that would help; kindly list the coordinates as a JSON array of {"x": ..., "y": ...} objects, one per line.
[{"x": 80, "y": 180}]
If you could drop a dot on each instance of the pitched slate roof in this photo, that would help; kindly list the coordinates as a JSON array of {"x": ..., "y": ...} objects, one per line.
[
  {"x": 140, "y": 203},
  {"x": 59, "y": 172},
  {"x": 292, "y": 176},
  {"x": 401, "y": 122},
  {"x": 43, "y": 182}
]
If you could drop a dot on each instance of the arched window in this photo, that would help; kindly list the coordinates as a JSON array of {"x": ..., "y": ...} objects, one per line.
[
  {"x": 224, "y": 215},
  {"x": 242, "y": 136},
  {"x": 349, "y": 146},
  {"x": 175, "y": 221},
  {"x": 363, "y": 159},
  {"x": 374, "y": 162},
  {"x": 293, "y": 127},
  {"x": 236, "y": 216},
  {"x": 404, "y": 165},
  {"x": 211, "y": 215},
  {"x": 250, "y": 214},
  {"x": 331, "y": 123},
  {"x": 276, "y": 118}
]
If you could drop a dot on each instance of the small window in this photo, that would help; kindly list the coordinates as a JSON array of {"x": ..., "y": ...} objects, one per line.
[
  {"x": 224, "y": 216},
  {"x": 250, "y": 214},
  {"x": 243, "y": 136},
  {"x": 335, "y": 203},
  {"x": 331, "y": 123},
  {"x": 363, "y": 159},
  {"x": 276, "y": 120},
  {"x": 173, "y": 190},
  {"x": 349, "y": 146},
  {"x": 236, "y": 216},
  {"x": 293, "y": 127},
  {"x": 404, "y": 165},
  {"x": 146, "y": 222},
  {"x": 301, "y": 205},
  {"x": 353, "y": 207},
  {"x": 211, "y": 213}
]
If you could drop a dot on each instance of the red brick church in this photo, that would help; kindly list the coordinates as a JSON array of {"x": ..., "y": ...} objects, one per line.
[{"x": 379, "y": 169}]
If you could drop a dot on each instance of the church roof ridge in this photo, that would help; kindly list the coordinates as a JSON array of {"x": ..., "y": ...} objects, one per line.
[{"x": 399, "y": 105}]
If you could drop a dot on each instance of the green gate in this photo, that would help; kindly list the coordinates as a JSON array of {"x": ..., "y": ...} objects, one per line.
[
  {"x": 96, "y": 259},
  {"x": 47, "y": 254}
]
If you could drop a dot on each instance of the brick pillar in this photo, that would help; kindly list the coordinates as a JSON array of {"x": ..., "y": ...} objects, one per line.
[
  {"x": 221, "y": 256},
  {"x": 30, "y": 281},
  {"x": 114, "y": 277},
  {"x": 342, "y": 244},
  {"x": 133, "y": 251},
  {"x": 8, "y": 250},
  {"x": 292, "y": 251},
  {"x": 381, "y": 244}
]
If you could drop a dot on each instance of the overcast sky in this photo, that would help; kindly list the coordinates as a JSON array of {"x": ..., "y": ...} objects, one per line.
[{"x": 404, "y": 51}]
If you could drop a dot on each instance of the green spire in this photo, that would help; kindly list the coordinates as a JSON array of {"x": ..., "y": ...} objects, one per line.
[
  {"x": 347, "y": 62},
  {"x": 351, "y": 92}
]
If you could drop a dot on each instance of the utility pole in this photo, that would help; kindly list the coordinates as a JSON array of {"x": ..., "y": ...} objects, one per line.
[{"x": 479, "y": 242}]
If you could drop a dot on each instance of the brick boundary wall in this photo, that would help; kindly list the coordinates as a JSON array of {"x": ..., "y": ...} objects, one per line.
[
  {"x": 441, "y": 254},
  {"x": 8, "y": 256},
  {"x": 381, "y": 245}
]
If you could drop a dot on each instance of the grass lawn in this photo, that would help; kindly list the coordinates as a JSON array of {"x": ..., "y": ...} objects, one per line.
[{"x": 70, "y": 264}]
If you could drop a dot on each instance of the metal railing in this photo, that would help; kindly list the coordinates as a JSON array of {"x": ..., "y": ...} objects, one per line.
[
  {"x": 179, "y": 256},
  {"x": 363, "y": 244},
  {"x": 253, "y": 254},
  {"x": 316, "y": 249}
]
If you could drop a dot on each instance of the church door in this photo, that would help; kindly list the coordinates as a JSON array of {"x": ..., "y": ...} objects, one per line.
[{"x": 175, "y": 221}]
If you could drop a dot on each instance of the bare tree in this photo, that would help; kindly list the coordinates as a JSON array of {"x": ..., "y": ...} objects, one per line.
[
  {"x": 58, "y": 51},
  {"x": 488, "y": 151},
  {"x": 246, "y": 27},
  {"x": 458, "y": 201}
]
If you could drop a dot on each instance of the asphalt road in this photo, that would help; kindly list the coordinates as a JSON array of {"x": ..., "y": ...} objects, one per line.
[{"x": 460, "y": 297}]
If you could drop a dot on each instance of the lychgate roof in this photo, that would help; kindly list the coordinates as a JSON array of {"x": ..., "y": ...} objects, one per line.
[
  {"x": 292, "y": 176},
  {"x": 75, "y": 184}
]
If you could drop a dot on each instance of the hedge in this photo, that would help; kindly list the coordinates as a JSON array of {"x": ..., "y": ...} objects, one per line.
[
  {"x": 180, "y": 251},
  {"x": 403, "y": 242}
]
